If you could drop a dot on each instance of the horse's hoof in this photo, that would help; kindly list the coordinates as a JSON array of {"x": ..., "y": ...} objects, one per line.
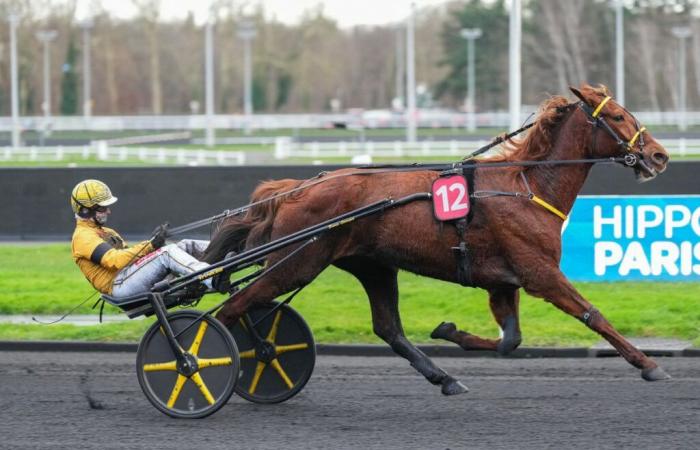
[
  {"x": 443, "y": 331},
  {"x": 450, "y": 386},
  {"x": 508, "y": 344},
  {"x": 655, "y": 374}
]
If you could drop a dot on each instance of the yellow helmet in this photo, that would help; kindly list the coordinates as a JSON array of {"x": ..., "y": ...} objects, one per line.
[{"x": 89, "y": 194}]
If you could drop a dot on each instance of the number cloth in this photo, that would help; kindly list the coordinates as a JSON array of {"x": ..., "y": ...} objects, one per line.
[{"x": 450, "y": 198}]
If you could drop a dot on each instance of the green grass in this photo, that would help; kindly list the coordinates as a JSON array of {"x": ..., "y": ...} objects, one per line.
[{"x": 42, "y": 279}]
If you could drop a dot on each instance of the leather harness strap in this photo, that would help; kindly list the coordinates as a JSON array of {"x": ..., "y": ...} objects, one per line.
[{"x": 464, "y": 272}]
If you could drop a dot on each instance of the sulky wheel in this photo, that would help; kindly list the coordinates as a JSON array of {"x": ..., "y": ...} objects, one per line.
[
  {"x": 279, "y": 365},
  {"x": 201, "y": 390}
]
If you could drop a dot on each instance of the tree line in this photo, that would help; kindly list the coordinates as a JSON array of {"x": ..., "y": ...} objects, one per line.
[{"x": 146, "y": 65}]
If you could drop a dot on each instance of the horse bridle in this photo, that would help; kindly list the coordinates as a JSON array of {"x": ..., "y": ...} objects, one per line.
[{"x": 632, "y": 158}]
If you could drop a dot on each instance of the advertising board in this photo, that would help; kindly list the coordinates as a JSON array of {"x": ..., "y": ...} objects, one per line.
[{"x": 618, "y": 238}]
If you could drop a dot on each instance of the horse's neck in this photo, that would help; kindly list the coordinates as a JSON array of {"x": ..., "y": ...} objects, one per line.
[{"x": 560, "y": 184}]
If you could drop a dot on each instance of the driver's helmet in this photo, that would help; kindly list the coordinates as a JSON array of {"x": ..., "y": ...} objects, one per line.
[{"x": 90, "y": 194}]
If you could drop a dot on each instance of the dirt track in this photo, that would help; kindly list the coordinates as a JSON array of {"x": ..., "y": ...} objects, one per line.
[{"x": 360, "y": 403}]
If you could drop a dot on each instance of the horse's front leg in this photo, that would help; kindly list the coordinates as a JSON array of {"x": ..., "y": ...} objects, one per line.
[
  {"x": 504, "y": 306},
  {"x": 556, "y": 289}
]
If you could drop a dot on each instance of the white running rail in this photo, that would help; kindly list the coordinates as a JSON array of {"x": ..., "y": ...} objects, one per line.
[
  {"x": 154, "y": 155},
  {"x": 367, "y": 119},
  {"x": 286, "y": 148}
]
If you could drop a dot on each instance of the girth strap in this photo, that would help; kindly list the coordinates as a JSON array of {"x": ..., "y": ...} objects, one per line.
[{"x": 464, "y": 272}]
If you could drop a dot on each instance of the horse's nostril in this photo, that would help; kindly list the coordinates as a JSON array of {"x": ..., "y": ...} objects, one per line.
[{"x": 659, "y": 157}]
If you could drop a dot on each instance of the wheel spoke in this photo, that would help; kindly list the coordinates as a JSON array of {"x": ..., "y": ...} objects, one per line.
[
  {"x": 214, "y": 362},
  {"x": 275, "y": 326},
  {"x": 197, "y": 378},
  {"x": 276, "y": 365},
  {"x": 247, "y": 354},
  {"x": 256, "y": 377},
  {"x": 194, "y": 348},
  {"x": 290, "y": 348},
  {"x": 155, "y": 367},
  {"x": 176, "y": 390}
]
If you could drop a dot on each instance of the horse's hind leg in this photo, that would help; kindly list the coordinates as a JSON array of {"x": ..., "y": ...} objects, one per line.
[
  {"x": 504, "y": 306},
  {"x": 381, "y": 285},
  {"x": 294, "y": 273}
]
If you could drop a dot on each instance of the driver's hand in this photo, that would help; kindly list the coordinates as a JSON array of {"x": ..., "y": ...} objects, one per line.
[{"x": 159, "y": 235}]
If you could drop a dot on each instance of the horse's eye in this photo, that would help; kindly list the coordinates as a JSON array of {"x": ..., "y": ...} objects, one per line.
[{"x": 618, "y": 118}]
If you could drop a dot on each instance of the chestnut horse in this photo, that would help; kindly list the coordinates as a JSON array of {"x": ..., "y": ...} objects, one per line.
[{"x": 512, "y": 242}]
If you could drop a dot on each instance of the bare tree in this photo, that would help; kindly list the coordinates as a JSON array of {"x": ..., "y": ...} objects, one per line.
[
  {"x": 648, "y": 34},
  {"x": 695, "y": 52}
]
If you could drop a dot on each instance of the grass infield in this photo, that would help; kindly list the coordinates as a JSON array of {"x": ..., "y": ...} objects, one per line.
[{"x": 42, "y": 279}]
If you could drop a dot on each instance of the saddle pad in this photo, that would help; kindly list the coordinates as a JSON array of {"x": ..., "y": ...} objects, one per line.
[{"x": 450, "y": 198}]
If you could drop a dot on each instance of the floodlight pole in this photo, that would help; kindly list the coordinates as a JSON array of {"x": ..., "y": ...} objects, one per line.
[
  {"x": 209, "y": 81},
  {"x": 470, "y": 34},
  {"x": 400, "y": 72},
  {"x": 514, "y": 94},
  {"x": 14, "y": 20},
  {"x": 87, "y": 86},
  {"x": 411, "y": 77},
  {"x": 619, "y": 53},
  {"x": 246, "y": 32},
  {"x": 46, "y": 37},
  {"x": 682, "y": 33},
  {"x": 247, "y": 88}
]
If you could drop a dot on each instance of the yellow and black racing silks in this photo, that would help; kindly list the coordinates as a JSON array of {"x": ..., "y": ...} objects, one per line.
[{"x": 100, "y": 253}]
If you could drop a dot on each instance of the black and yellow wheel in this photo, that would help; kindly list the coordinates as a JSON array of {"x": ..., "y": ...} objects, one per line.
[
  {"x": 198, "y": 388},
  {"x": 277, "y": 368}
]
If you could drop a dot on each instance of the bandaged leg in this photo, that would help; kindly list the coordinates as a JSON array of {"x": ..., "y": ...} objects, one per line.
[{"x": 147, "y": 271}]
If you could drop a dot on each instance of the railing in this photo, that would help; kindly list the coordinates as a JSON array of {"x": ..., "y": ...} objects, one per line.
[
  {"x": 105, "y": 153},
  {"x": 368, "y": 119},
  {"x": 284, "y": 148},
  {"x": 287, "y": 148},
  {"x": 149, "y": 139}
]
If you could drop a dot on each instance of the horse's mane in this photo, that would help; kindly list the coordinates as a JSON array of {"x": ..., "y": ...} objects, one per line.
[{"x": 538, "y": 142}]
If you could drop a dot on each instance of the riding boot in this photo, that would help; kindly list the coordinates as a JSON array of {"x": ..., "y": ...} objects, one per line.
[{"x": 222, "y": 281}]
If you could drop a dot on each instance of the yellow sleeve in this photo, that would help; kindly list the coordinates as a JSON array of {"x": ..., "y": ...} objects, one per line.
[
  {"x": 118, "y": 259},
  {"x": 87, "y": 244}
]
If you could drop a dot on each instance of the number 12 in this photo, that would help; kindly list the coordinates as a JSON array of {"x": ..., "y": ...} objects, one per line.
[{"x": 459, "y": 202}]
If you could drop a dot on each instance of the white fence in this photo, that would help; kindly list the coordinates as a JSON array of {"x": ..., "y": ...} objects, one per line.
[
  {"x": 286, "y": 148},
  {"x": 367, "y": 119},
  {"x": 123, "y": 154},
  {"x": 149, "y": 139}
]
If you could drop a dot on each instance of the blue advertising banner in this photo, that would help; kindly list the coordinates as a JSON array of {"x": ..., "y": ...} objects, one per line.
[{"x": 616, "y": 238}]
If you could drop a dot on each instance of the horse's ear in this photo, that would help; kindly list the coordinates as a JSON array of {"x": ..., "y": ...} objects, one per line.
[{"x": 577, "y": 93}]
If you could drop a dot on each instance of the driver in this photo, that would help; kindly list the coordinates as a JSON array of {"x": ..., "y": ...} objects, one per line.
[{"x": 112, "y": 266}]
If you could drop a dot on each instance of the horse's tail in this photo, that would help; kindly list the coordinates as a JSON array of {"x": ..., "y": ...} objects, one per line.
[{"x": 237, "y": 233}]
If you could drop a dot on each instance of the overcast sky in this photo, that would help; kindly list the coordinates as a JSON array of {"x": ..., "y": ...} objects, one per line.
[{"x": 346, "y": 12}]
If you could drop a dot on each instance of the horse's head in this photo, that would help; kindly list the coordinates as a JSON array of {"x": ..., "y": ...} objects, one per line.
[{"x": 623, "y": 135}]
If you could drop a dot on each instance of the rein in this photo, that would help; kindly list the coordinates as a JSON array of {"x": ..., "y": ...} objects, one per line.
[
  {"x": 369, "y": 170},
  {"x": 630, "y": 159}
]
